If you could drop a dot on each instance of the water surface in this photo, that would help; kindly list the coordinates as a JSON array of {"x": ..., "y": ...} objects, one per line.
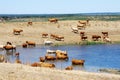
[{"x": 95, "y": 56}]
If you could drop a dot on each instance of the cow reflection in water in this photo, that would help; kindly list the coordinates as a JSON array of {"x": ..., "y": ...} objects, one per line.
[
  {"x": 8, "y": 56},
  {"x": 11, "y": 56}
]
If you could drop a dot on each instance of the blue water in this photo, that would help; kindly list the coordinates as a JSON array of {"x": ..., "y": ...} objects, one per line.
[{"x": 95, "y": 56}]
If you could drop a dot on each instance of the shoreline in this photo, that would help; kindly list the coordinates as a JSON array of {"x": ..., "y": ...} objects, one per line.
[
  {"x": 80, "y": 43},
  {"x": 25, "y": 72}
]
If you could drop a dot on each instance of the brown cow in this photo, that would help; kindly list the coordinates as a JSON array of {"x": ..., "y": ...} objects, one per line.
[
  {"x": 49, "y": 65},
  {"x": 43, "y": 64},
  {"x": 34, "y": 64},
  {"x": 49, "y": 57},
  {"x": 59, "y": 38},
  {"x": 44, "y": 35},
  {"x": 61, "y": 55},
  {"x": 17, "y": 31},
  {"x": 29, "y": 23},
  {"x": 53, "y": 20},
  {"x": 53, "y": 36},
  {"x": 78, "y": 62},
  {"x": 30, "y": 43},
  {"x": 9, "y": 47},
  {"x": 85, "y": 22},
  {"x": 69, "y": 68},
  {"x": 60, "y": 52}
]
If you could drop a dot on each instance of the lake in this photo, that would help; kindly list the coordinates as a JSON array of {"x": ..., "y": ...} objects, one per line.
[{"x": 95, "y": 56}]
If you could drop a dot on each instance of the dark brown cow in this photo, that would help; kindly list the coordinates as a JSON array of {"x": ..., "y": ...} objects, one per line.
[
  {"x": 24, "y": 45},
  {"x": 82, "y": 33},
  {"x": 53, "y": 20},
  {"x": 105, "y": 33},
  {"x": 78, "y": 62},
  {"x": 17, "y": 54},
  {"x": 8, "y": 43},
  {"x": 84, "y": 37},
  {"x": 95, "y": 37}
]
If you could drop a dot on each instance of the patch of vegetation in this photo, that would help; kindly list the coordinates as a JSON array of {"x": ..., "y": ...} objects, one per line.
[
  {"x": 45, "y": 17},
  {"x": 80, "y": 43},
  {"x": 116, "y": 42},
  {"x": 91, "y": 43}
]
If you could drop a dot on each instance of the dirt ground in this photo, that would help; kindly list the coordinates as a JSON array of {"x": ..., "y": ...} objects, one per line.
[{"x": 24, "y": 72}]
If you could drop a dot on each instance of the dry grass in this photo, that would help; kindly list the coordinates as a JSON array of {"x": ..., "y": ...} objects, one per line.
[{"x": 34, "y": 32}]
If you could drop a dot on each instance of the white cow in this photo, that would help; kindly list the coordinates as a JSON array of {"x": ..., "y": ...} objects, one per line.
[{"x": 46, "y": 42}]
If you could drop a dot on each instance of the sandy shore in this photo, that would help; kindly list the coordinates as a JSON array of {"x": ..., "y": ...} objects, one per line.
[
  {"x": 33, "y": 33},
  {"x": 24, "y": 72}
]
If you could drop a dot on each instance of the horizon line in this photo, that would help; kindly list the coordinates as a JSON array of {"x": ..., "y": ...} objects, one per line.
[{"x": 55, "y": 13}]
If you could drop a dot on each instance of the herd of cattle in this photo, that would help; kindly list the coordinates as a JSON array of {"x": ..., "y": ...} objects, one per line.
[
  {"x": 82, "y": 25},
  {"x": 58, "y": 53}
]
